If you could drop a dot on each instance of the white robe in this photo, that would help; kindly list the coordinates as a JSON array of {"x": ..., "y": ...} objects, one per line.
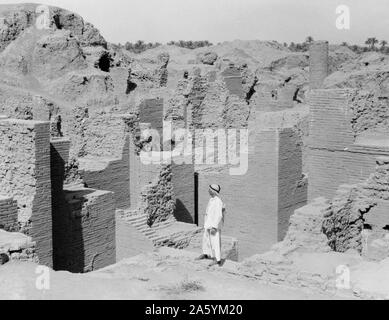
[{"x": 213, "y": 220}]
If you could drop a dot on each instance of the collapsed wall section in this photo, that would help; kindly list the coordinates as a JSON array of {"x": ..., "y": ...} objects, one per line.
[
  {"x": 25, "y": 176},
  {"x": 357, "y": 217}
]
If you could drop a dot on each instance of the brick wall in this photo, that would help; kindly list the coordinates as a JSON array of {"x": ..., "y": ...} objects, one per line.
[
  {"x": 318, "y": 63},
  {"x": 184, "y": 192},
  {"x": 85, "y": 230},
  {"x": 335, "y": 155},
  {"x": 151, "y": 111},
  {"x": 233, "y": 80},
  {"x": 292, "y": 186},
  {"x": 8, "y": 213},
  {"x": 25, "y": 176},
  {"x": 109, "y": 174}
]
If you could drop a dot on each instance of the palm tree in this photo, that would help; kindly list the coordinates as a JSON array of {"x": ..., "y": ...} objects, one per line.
[
  {"x": 309, "y": 39},
  {"x": 372, "y": 42},
  {"x": 383, "y": 44}
]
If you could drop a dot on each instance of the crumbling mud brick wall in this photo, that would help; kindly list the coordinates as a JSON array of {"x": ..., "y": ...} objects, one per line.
[
  {"x": 337, "y": 153},
  {"x": 157, "y": 200},
  {"x": 318, "y": 63},
  {"x": 112, "y": 175},
  {"x": 105, "y": 165},
  {"x": 85, "y": 230},
  {"x": 357, "y": 217},
  {"x": 305, "y": 232},
  {"x": 25, "y": 176},
  {"x": 8, "y": 214},
  {"x": 260, "y": 202}
]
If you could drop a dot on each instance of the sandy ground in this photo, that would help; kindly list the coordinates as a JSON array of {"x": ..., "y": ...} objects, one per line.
[{"x": 167, "y": 274}]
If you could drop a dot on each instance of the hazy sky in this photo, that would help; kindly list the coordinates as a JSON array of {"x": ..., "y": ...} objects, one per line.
[{"x": 220, "y": 20}]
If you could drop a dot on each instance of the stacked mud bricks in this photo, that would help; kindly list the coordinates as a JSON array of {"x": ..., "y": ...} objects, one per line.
[
  {"x": 8, "y": 213},
  {"x": 60, "y": 222},
  {"x": 25, "y": 176},
  {"x": 336, "y": 156}
]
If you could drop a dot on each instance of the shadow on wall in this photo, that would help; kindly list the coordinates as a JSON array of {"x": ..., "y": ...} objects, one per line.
[
  {"x": 68, "y": 242},
  {"x": 182, "y": 214}
]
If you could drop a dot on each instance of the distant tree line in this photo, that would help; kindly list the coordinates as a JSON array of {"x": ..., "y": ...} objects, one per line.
[
  {"x": 141, "y": 46},
  {"x": 373, "y": 44},
  {"x": 190, "y": 44},
  {"x": 300, "y": 47}
]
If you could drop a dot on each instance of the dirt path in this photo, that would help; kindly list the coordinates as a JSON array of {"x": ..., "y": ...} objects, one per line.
[{"x": 152, "y": 276}]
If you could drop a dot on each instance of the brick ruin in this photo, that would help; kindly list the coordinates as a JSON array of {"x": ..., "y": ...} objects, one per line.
[
  {"x": 83, "y": 208},
  {"x": 84, "y": 202}
]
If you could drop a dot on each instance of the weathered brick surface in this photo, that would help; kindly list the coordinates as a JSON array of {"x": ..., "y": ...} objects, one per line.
[
  {"x": 233, "y": 80},
  {"x": 357, "y": 217},
  {"x": 335, "y": 156},
  {"x": 8, "y": 214},
  {"x": 25, "y": 175},
  {"x": 151, "y": 111},
  {"x": 305, "y": 232},
  {"x": 184, "y": 192},
  {"x": 318, "y": 63},
  {"x": 292, "y": 185},
  {"x": 109, "y": 174}
]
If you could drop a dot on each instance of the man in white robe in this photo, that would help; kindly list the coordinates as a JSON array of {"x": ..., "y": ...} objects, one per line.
[{"x": 213, "y": 221}]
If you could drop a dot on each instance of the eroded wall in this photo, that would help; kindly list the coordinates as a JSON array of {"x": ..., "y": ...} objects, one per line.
[
  {"x": 337, "y": 154},
  {"x": 25, "y": 176}
]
